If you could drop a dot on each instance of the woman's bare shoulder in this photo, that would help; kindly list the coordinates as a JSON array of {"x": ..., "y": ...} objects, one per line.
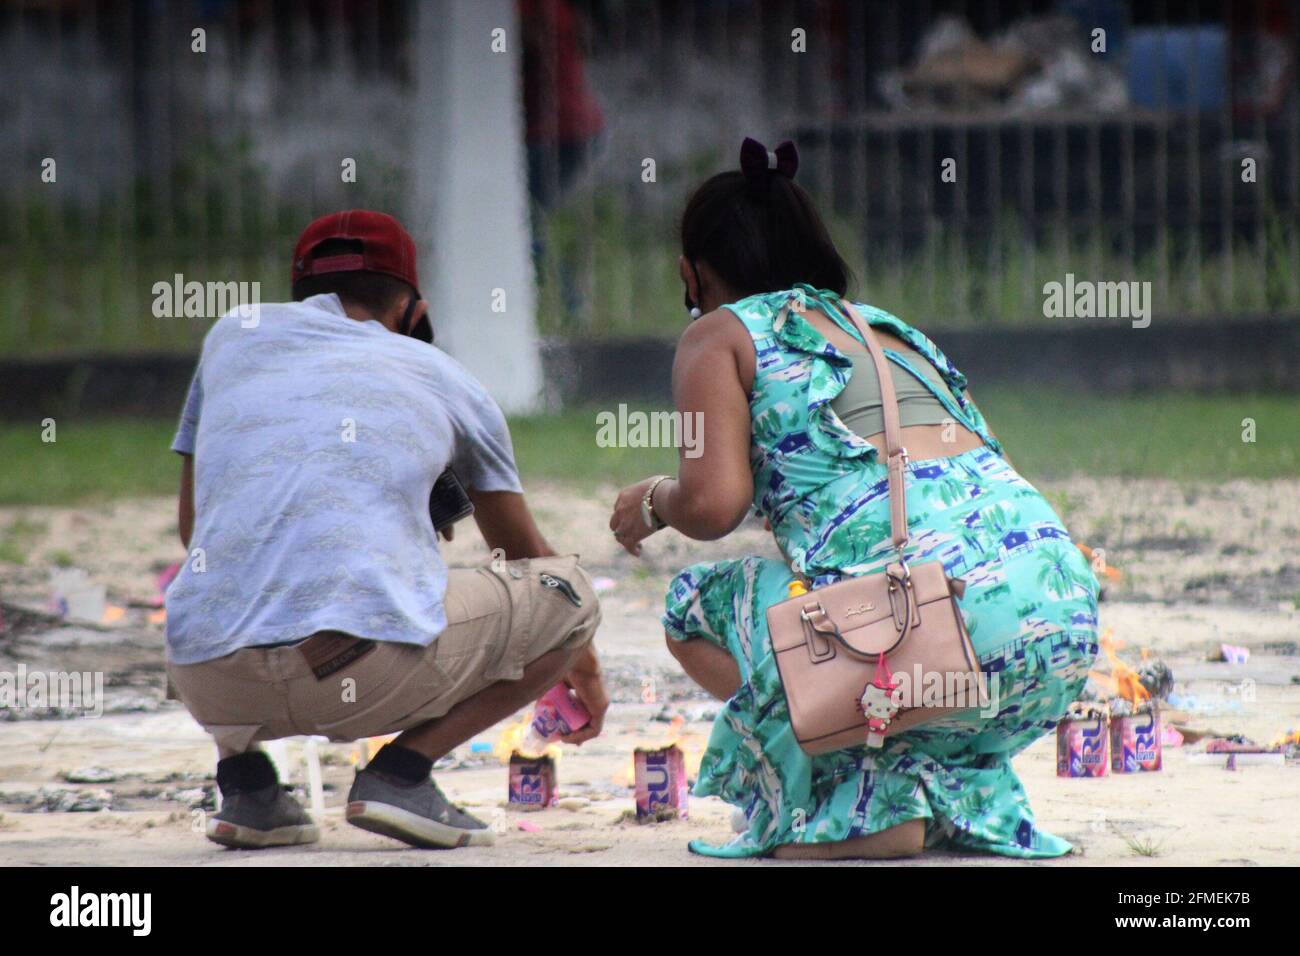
[
  {"x": 717, "y": 333},
  {"x": 718, "y": 329}
]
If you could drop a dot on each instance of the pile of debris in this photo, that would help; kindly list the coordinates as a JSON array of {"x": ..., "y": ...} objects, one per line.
[{"x": 1037, "y": 63}]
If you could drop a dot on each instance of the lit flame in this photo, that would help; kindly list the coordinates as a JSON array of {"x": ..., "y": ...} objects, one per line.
[
  {"x": 690, "y": 744},
  {"x": 1291, "y": 737},
  {"x": 369, "y": 746},
  {"x": 511, "y": 741},
  {"x": 1099, "y": 565},
  {"x": 1122, "y": 681}
]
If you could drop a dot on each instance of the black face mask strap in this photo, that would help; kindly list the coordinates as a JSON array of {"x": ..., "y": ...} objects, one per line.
[
  {"x": 404, "y": 327},
  {"x": 687, "y": 295}
]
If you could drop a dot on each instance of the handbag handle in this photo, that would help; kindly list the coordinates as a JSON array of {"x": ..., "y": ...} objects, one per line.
[
  {"x": 814, "y": 615},
  {"x": 895, "y": 453}
]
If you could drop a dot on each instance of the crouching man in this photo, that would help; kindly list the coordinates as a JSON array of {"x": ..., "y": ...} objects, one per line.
[{"x": 314, "y": 599}]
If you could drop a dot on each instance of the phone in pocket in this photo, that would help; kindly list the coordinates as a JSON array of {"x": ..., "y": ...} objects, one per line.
[{"x": 448, "y": 502}]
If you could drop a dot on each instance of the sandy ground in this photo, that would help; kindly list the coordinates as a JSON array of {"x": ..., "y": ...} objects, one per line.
[{"x": 1201, "y": 567}]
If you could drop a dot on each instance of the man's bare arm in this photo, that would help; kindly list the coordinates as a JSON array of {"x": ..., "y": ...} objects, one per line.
[{"x": 505, "y": 522}]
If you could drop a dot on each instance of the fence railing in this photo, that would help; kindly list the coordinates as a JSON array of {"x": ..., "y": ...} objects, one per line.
[{"x": 965, "y": 153}]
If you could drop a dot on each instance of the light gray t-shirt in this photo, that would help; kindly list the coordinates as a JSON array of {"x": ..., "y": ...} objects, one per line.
[{"x": 316, "y": 441}]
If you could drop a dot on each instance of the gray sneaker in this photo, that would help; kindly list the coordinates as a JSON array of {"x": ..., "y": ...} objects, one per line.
[
  {"x": 417, "y": 814},
  {"x": 261, "y": 818}
]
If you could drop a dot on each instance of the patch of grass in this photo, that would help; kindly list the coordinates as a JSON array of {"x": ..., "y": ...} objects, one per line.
[
  {"x": 1141, "y": 846},
  {"x": 1185, "y": 437},
  {"x": 17, "y": 538},
  {"x": 563, "y": 448},
  {"x": 1049, "y": 434},
  {"x": 94, "y": 460}
]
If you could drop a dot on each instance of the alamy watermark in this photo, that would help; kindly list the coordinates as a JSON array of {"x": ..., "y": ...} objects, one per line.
[
  {"x": 637, "y": 429},
  {"x": 180, "y": 299},
  {"x": 919, "y": 687},
  {"x": 1085, "y": 299},
  {"x": 62, "y": 690}
]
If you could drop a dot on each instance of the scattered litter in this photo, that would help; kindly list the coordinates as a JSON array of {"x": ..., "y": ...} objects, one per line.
[
  {"x": 701, "y": 712},
  {"x": 1192, "y": 735},
  {"x": 74, "y": 595},
  {"x": 131, "y": 704},
  {"x": 528, "y": 826},
  {"x": 1157, "y": 677},
  {"x": 90, "y": 775},
  {"x": 1170, "y": 737},
  {"x": 63, "y": 800},
  {"x": 1034, "y": 64},
  {"x": 165, "y": 578},
  {"x": 1288, "y": 743},
  {"x": 196, "y": 798},
  {"x": 480, "y": 747},
  {"x": 1236, "y": 744},
  {"x": 1234, "y": 760},
  {"x": 113, "y": 614},
  {"x": 1197, "y": 705},
  {"x": 1232, "y": 654}
]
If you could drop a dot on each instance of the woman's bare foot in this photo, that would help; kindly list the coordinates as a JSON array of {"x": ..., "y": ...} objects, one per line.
[{"x": 906, "y": 839}]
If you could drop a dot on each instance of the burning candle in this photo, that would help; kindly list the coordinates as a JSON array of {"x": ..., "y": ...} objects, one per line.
[
  {"x": 1083, "y": 742},
  {"x": 661, "y": 786},
  {"x": 1135, "y": 739}
]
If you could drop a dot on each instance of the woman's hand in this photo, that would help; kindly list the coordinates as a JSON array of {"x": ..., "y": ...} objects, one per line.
[{"x": 626, "y": 522}]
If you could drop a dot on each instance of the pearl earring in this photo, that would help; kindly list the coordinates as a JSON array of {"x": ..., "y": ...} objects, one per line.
[{"x": 695, "y": 312}]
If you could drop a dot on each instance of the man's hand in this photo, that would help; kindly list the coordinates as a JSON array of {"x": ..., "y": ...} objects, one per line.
[{"x": 584, "y": 677}]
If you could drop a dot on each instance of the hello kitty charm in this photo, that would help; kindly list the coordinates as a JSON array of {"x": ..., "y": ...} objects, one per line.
[{"x": 879, "y": 703}]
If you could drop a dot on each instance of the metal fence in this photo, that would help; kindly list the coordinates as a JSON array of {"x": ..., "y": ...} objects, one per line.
[{"x": 966, "y": 153}]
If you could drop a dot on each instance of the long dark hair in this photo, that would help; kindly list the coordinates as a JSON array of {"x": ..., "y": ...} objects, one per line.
[{"x": 761, "y": 232}]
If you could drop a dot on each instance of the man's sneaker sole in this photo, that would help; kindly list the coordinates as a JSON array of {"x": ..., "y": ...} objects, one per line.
[
  {"x": 413, "y": 829},
  {"x": 246, "y": 838}
]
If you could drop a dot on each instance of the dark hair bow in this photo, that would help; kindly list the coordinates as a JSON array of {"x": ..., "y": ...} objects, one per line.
[{"x": 755, "y": 159}]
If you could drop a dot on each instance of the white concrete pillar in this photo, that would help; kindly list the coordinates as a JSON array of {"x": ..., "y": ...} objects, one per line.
[{"x": 469, "y": 181}]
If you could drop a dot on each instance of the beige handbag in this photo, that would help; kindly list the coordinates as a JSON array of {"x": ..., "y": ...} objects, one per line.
[{"x": 871, "y": 656}]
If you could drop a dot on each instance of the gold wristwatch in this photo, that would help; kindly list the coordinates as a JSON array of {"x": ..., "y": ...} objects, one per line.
[{"x": 648, "y": 515}]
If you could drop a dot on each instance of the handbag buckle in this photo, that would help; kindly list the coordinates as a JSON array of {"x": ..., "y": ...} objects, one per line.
[{"x": 815, "y": 655}]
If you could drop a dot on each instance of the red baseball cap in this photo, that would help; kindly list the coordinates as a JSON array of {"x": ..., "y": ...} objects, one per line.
[{"x": 385, "y": 247}]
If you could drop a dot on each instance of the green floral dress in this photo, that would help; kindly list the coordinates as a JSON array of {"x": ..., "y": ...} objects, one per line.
[{"x": 1030, "y": 606}]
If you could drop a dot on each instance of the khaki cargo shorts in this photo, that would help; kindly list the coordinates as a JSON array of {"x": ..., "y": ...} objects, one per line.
[{"x": 498, "y": 621}]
